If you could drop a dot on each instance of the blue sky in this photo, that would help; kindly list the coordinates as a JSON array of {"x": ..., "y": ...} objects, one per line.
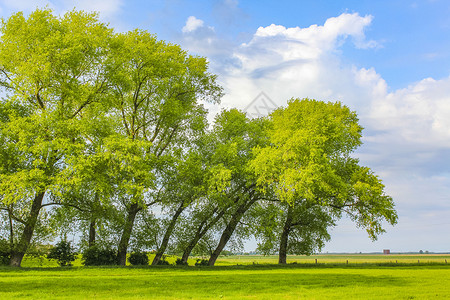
[{"x": 388, "y": 60}]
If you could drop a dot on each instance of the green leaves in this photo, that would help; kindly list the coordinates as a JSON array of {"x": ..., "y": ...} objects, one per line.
[{"x": 308, "y": 158}]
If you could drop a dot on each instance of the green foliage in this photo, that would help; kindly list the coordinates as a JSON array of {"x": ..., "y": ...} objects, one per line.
[
  {"x": 5, "y": 252},
  {"x": 163, "y": 262},
  {"x": 99, "y": 256},
  {"x": 63, "y": 252},
  {"x": 308, "y": 159},
  {"x": 201, "y": 262},
  {"x": 180, "y": 262},
  {"x": 138, "y": 258}
]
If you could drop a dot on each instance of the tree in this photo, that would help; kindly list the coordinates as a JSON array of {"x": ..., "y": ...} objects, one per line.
[
  {"x": 234, "y": 137},
  {"x": 308, "y": 163},
  {"x": 51, "y": 72},
  {"x": 157, "y": 88}
]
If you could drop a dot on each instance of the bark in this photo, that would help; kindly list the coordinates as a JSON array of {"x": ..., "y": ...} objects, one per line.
[
  {"x": 11, "y": 230},
  {"x": 282, "y": 254},
  {"x": 228, "y": 232},
  {"x": 21, "y": 248},
  {"x": 201, "y": 231},
  {"x": 126, "y": 234},
  {"x": 92, "y": 233},
  {"x": 162, "y": 248}
]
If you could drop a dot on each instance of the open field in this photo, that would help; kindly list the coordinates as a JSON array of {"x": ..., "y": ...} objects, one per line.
[
  {"x": 338, "y": 259},
  {"x": 365, "y": 277},
  {"x": 299, "y": 259},
  {"x": 237, "y": 282}
]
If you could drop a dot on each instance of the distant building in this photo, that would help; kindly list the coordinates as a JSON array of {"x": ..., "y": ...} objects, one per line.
[{"x": 386, "y": 251}]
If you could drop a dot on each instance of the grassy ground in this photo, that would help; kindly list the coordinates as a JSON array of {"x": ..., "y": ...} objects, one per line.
[
  {"x": 333, "y": 281},
  {"x": 239, "y": 277},
  {"x": 338, "y": 259}
]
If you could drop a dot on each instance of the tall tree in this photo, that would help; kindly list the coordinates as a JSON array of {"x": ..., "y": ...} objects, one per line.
[
  {"x": 157, "y": 92},
  {"x": 50, "y": 67},
  {"x": 308, "y": 160}
]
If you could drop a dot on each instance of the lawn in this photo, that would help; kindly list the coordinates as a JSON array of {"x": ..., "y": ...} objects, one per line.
[{"x": 254, "y": 281}]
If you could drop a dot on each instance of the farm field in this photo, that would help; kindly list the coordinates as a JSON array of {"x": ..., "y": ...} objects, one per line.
[{"x": 367, "y": 279}]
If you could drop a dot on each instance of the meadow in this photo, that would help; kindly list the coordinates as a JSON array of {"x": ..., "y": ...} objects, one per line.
[{"x": 240, "y": 277}]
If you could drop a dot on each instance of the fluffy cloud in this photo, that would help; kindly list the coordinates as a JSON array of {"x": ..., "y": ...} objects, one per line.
[
  {"x": 419, "y": 113},
  {"x": 407, "y": 131},
  {"x": 192, "y": 24},
  {"x": 297, "y": 62}
]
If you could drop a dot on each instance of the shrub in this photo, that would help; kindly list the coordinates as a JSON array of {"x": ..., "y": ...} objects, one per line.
[
  {"x": 5, "y": 252},
  {"x": 179, "y": 262},
  {"x": 99, "y": 256},
  {"x": 138, "y": 259},
  {"x": 63, "y": 252},
  {"x": 163, "y": 262},
  {"x": 201, "y": 262}
]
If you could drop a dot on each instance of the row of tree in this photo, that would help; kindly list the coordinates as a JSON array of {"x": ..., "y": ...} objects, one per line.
[{"x": 104, "y": 136}]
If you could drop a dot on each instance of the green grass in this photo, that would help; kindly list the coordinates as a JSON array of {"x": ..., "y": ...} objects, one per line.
[
  {"x": 379, "y": 280},
  {"x": 337, "y": 259}
]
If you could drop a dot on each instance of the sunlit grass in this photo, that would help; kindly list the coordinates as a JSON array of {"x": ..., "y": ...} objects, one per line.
[{"x": 237, "y": 282}]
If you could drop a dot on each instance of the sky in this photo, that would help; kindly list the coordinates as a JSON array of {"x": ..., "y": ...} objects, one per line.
[{"x": 387, "y": 60}]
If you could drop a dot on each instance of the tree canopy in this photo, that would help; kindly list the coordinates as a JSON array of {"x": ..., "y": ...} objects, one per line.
[{"x": 105, "y": 134}]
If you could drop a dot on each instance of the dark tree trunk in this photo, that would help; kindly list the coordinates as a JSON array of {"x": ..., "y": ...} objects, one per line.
[
  {"x": 228, "y": 232},
  {"x": 21, "y": 248},
  {"x": 11, "y": 230},
  {"x": 198, "y": 235},
  {"x": 201, "y": 231},
  {"x": 126, "y": 234},
  {"x": 282, "y": 254},
  {"x": 91, "y": 241},
  {"x": 165, "y": 241}
]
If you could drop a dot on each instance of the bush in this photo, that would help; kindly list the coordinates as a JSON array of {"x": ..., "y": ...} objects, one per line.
[
  {"x": 5, "y": 252},
  {"x": 201, "y": 262},
  {"x": 163, "y": 262},
  {"x": 179, "y": 262},
  {"x": 138, "y": 259},
  {"x": 99, "y": 256},
  {"x": 63, "y": 252}
]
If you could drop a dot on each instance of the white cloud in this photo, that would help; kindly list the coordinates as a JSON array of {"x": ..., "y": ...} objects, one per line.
[
  {"x": 297, "y": 62},
  {"x": 407, "y": 131},
  {"x": 192, "y": 24},
  {"x": 419, "y": 113}
]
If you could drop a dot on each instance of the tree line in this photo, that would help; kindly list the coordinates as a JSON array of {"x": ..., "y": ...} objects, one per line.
[{"x": 104, "y": 136}]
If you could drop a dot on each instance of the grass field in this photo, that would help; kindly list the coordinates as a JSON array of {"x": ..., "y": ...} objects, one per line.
[{"x": 365, "y": 277}]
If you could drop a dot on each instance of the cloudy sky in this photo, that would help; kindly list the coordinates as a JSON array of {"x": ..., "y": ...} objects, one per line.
[{"x": 389, "y": 60}]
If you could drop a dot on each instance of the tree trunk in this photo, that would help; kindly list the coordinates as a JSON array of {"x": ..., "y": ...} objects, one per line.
[
  {"x": 165, "y": 241},
  {"x": 91, "y": 233},
  {"x": 282, "y": 254},
  {"x": 126, "y": 234},
  {"x": 21, "y": 248},
  {"x": 228, "y": 232},
  {"x": 201, "y": 231},
  {"x": 11, "y": 230}
]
